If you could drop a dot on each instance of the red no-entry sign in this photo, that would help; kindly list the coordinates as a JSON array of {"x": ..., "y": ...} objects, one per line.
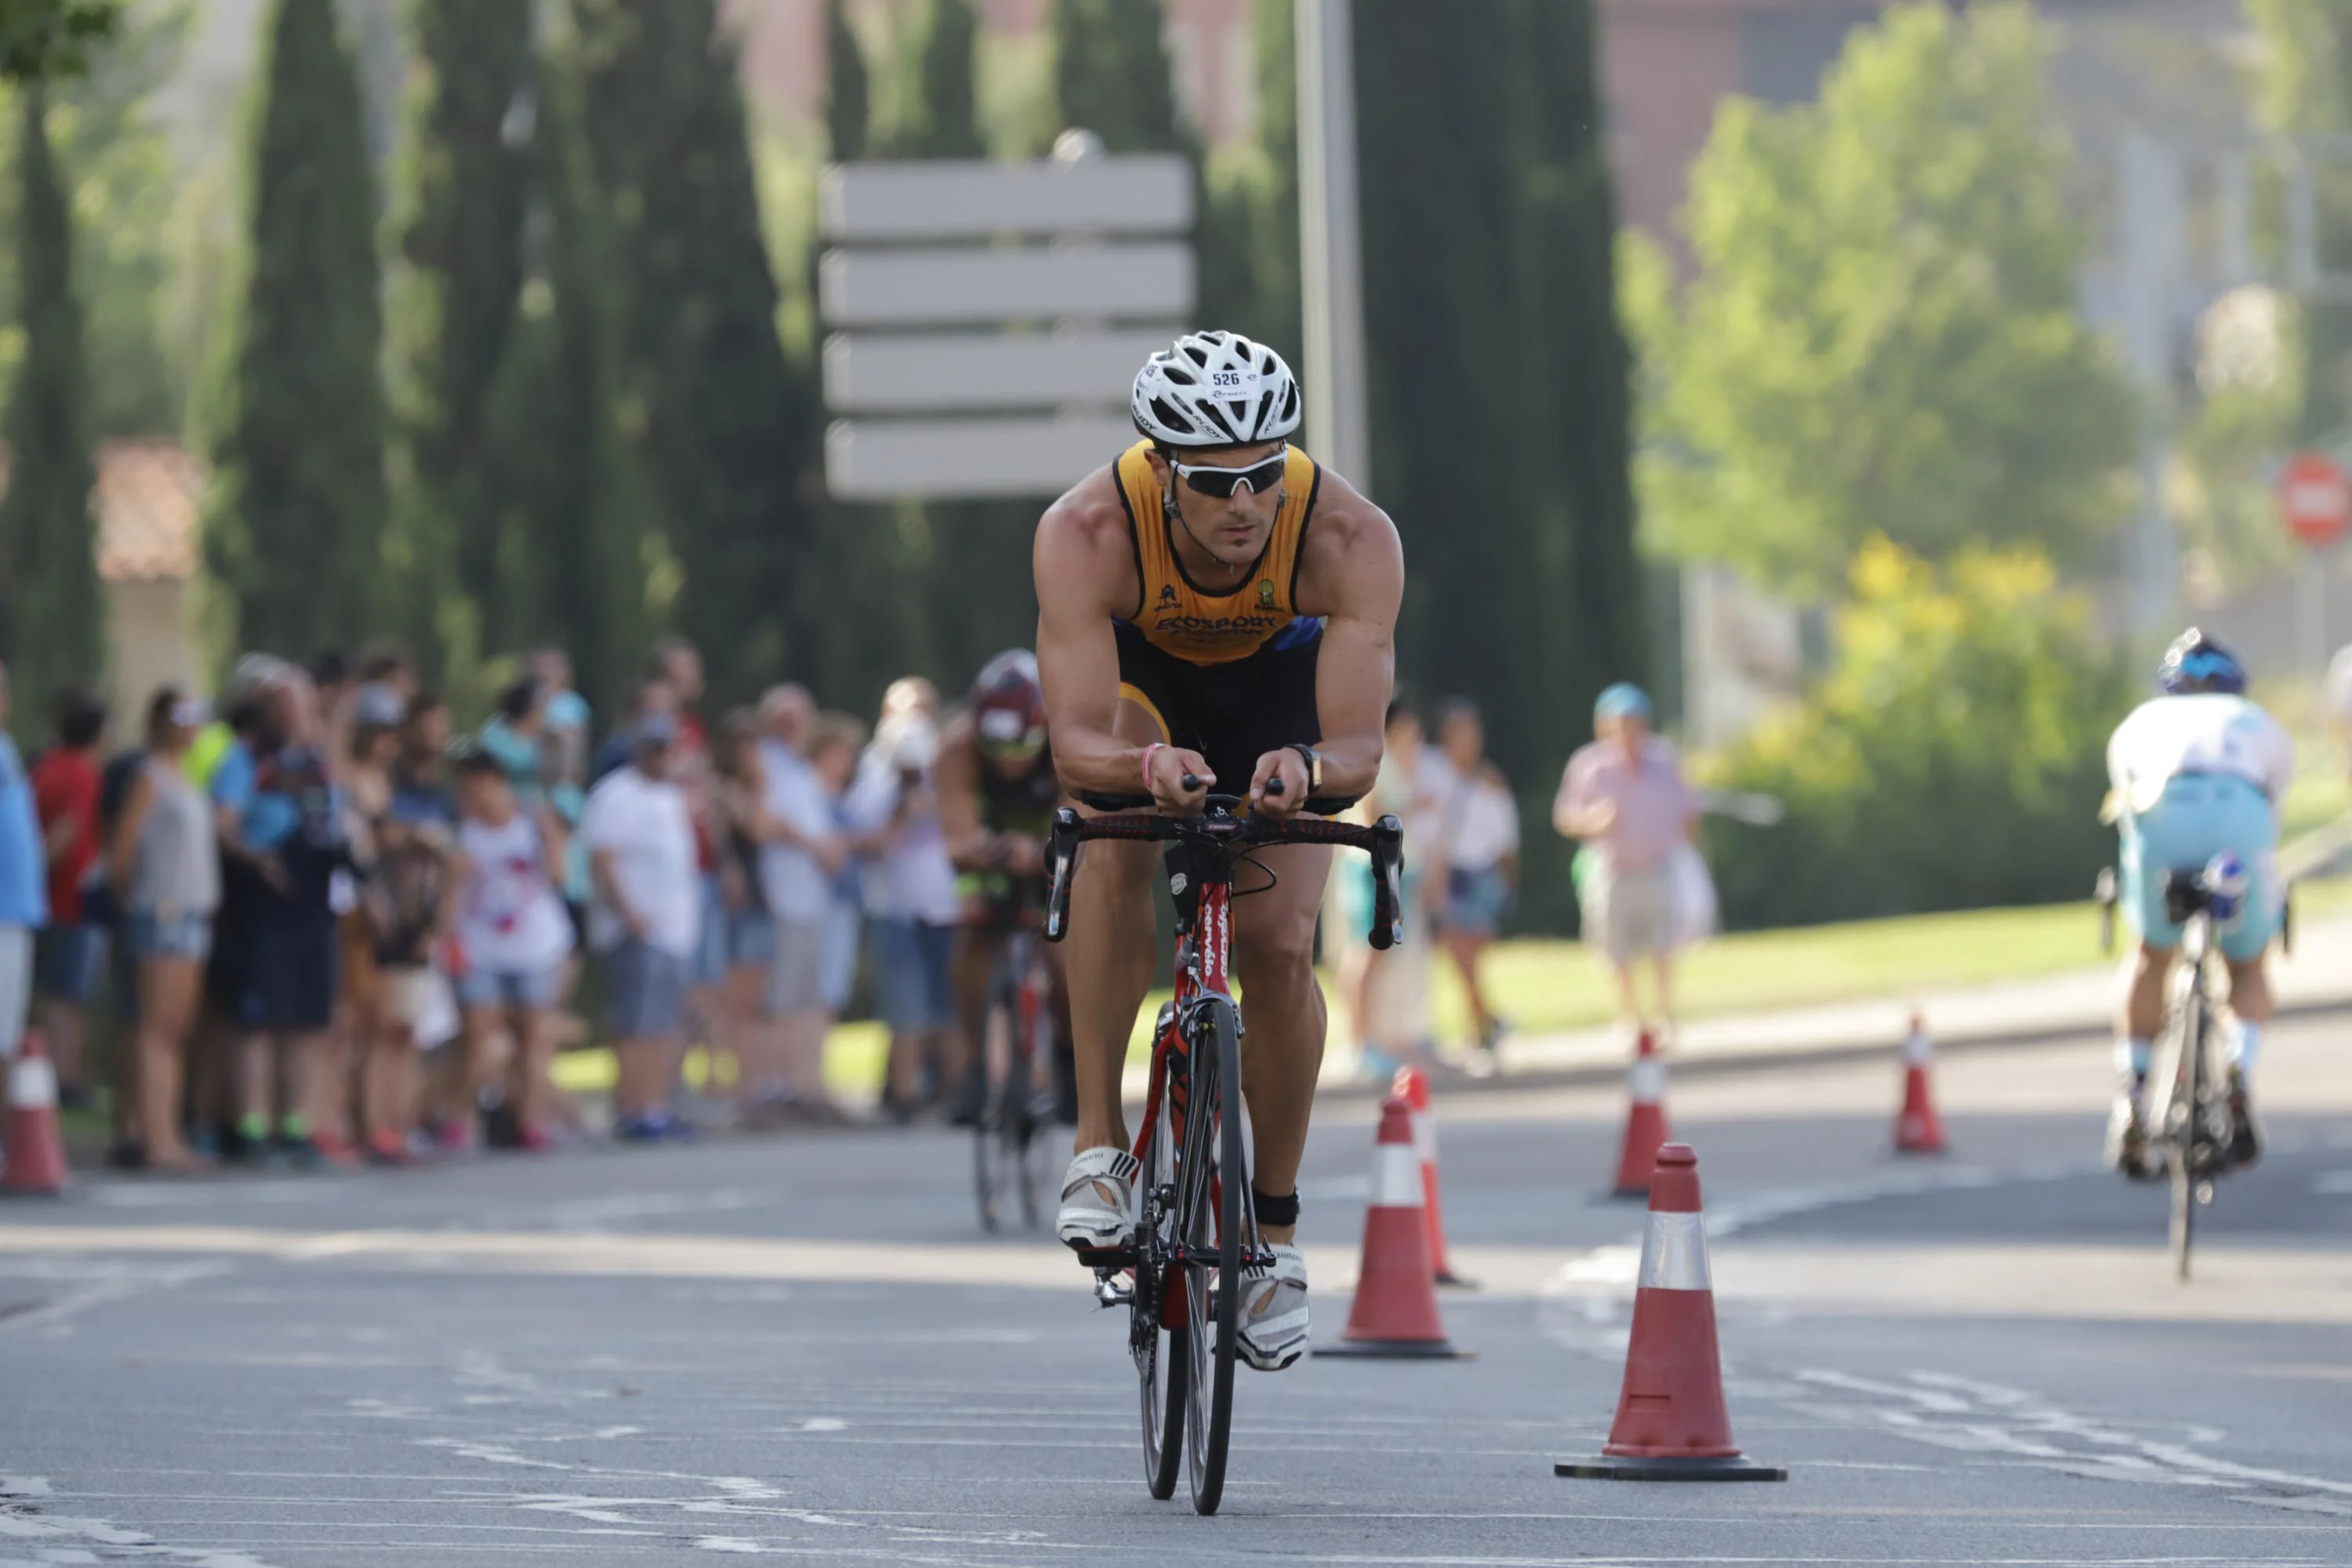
[{"x": 2315, "y": 498}]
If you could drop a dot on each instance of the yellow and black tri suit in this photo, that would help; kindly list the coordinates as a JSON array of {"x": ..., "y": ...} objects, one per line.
[{"x": 1230, "y": 675}]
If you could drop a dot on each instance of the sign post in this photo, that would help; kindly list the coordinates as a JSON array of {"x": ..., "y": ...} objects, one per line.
[{"x": 2314, "y": 501}]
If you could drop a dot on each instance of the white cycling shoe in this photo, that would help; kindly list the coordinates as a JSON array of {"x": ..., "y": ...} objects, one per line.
[
  {"x": 1273, "y": 1330},
  {"x": 1098, "y": 1199}
]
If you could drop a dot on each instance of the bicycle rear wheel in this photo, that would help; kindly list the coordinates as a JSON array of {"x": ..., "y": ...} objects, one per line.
[
  {"x": 1216, "y": 1181},
  {"x": 2183, "y": 1129}
]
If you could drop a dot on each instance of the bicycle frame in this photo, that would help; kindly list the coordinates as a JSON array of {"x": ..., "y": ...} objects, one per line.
[{"x": 1202, "y": 853}]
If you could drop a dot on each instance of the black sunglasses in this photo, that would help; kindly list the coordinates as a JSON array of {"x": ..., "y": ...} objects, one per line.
[{"x": 1220, "y": 483}]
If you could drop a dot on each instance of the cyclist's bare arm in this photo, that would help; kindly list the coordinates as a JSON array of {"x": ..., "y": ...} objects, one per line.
[
  {"x": 957, "y": 776},
  {"x": 1086, "y": 576},
  {"x": 1352, "y": 574}
]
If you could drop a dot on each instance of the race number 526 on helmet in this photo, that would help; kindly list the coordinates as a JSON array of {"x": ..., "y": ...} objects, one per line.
[
  {"x": 1215, "y": 389},
  {"x": 1008, "y": 705},
  {"x": 2196, "y": 662}
]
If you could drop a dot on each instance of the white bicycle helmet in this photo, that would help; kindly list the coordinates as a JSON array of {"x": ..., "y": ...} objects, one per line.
[{"x": 1215, "y": 389}]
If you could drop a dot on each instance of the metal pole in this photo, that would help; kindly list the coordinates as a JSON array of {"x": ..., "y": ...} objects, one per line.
[{"x": 1330, "y": 242}]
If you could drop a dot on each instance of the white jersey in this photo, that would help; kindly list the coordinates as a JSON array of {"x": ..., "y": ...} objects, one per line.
[{"x": 2208, "y": 732}]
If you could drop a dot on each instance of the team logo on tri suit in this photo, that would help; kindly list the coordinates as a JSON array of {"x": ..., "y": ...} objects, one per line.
[{"x": 1266, "y": 594}]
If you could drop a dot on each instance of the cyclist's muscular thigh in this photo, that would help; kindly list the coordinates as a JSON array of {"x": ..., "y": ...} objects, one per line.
[
  {"x": 1274, "y": 958},
  {"x": 1108, "y": 955}
]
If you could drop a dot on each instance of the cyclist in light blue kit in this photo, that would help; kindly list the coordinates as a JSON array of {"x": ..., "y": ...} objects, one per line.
[{"x": 2196, "y": 773}]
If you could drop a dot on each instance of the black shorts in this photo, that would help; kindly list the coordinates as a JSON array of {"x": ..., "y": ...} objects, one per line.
[{"x": 1232, "y": 714}]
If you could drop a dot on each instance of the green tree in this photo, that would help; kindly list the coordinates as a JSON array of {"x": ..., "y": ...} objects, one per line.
[
  {"x": 52, "y": 619},
  {"x": 728, "y": 426},
  {"x": 43, "y": 38},
  {"x": 943, "y": 121},
  {"x": 571, "y": 499},
  {"x": 1497, "y": 377},
  {"x": 1882, "y": 336},
  {"x": 472, "y": 109},
  {"x": 848, "y": 107},
  {"x": 2306, "y": 82},
  {"x": 1249, "y": 230},
  {"x": 1111, "y": 73},
  {"x": 295, "y": 530},
  {"x": 1973, "y": 695}
]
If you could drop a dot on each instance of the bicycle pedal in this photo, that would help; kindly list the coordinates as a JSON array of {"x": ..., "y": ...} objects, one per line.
[{"x": 1102, "y": 1257}]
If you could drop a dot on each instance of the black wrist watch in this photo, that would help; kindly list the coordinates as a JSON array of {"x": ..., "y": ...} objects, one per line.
[{"x": 1313, "y": 761}]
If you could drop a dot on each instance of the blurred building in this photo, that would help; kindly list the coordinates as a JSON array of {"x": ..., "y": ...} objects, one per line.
[{"x": 144, "y": 507}]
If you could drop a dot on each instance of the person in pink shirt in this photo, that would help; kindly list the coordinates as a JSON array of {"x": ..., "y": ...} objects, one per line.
[{"x": 1624, "y": 796}]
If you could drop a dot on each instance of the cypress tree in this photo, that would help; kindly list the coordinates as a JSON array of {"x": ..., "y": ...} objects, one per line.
[
  {"x": 946, "y": 118},
  {"x": 848, "y": 108},
  {"x": 1498, "y": 374},
  {"x": 570, "y": 497},
  {"x": 295, "y": 534},
  {"x": 52, "y": 617},
  {"x": 472, "y": 113},
  {"x": 727, "y": 424},
  {"x": 1111, "y": 73}
]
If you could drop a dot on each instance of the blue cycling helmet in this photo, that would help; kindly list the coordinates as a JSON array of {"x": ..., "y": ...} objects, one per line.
[{"x": 2196, "y": 662}]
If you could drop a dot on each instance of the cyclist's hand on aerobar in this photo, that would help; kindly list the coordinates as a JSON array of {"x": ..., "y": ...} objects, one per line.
[
  {"x": 1285, "y": 765},
  {"x": 1170, "y": 766},
  {"x": 1021, "y": 856}
]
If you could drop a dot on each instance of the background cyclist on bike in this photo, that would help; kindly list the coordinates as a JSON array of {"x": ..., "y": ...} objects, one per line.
[
  {"x": 1216, "y": 605},
  {"x": 2196, "y": 773},
  {"x": 997, "y": 795}
]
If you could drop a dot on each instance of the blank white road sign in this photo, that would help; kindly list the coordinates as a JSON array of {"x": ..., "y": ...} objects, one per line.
[
  {"x": 878, "y": 459},
  {"x": 984, "y": 286},
  {"x": 864, "y": 203},
  {"x": 931, "y": 372}
]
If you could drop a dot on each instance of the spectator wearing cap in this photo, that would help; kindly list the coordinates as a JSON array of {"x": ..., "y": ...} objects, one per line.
[
  {"x": 647, "y": 921},
  {"x": 164, "y": 868},
  {"x": 24, "y": 885},
  {"x": 1625, "y": 797},
  {"x": 71, "y": 950},
  {"x": 291, "y": 831}
]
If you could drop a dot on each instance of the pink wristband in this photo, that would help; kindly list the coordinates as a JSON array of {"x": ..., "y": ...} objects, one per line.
[{"x": 1150, "y": 752}]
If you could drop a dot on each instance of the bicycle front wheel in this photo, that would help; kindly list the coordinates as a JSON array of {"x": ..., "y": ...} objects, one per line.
[
  {"x": 1216, "y": 1179},
  {"x": 995, "y": 1168}
]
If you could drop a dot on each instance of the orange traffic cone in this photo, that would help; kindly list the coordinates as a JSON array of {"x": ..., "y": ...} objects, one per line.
[
  {"x": 1395, "y": 1311},
  {"x": 1671, "y": 1424},
  {"x": 1917, "y": 1129},
  {"x": 1412, "y": 1087},
  {"x": 36, "y": 1164},
  {"x": 1646, "y": 1118}
]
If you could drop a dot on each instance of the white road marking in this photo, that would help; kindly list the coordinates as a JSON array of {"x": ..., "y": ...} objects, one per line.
[{"x": 2332, "y": 1183}]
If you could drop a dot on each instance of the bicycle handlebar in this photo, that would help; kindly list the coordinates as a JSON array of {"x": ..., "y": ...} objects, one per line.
[{"x": 1128, "y": 818}]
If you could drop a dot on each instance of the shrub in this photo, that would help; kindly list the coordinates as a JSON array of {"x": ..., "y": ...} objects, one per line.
[{"x": 1954, "y": 758}]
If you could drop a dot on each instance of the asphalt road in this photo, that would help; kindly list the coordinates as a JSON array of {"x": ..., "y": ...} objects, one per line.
[{"x": 802, "y": 1347}]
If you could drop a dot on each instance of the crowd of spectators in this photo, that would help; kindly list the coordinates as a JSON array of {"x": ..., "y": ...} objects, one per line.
[{"x": 317, "y": 926}]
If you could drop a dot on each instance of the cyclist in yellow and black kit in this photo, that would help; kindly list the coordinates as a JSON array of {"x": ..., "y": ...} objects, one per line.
[{"x": 1213, "y": 605}]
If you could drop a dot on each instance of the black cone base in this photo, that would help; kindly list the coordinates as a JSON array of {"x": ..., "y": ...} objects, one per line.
[
  {"x": 1398, "y": 1349},
  {"x": 1610, "y": 1467}
]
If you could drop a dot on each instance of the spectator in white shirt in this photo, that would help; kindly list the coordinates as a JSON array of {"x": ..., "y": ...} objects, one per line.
[
  {"x": 1478, "y": 845},
  {"x": 646, "y": 920},
  {"x": 802, "y": 853}
]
